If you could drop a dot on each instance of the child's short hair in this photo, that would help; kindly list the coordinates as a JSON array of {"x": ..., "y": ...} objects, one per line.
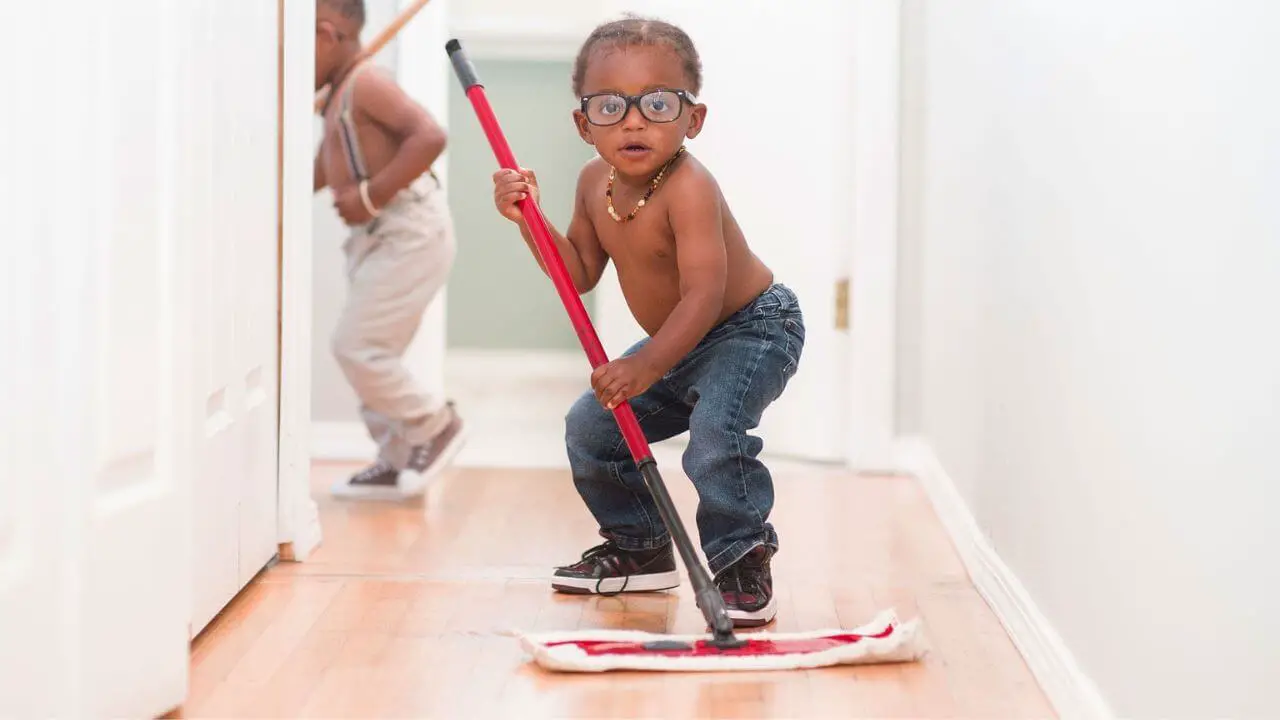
[
  {"x": 352, "y": 10},
  {"x": 634, "y": 30}
]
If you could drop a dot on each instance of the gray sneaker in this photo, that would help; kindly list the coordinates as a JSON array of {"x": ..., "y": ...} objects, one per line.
[{"x": 426, "y": 461}]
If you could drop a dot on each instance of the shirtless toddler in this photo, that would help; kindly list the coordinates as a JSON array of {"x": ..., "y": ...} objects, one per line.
[
  {"x": 376, "y": 155},
  {"x": 723, "y": 337}
]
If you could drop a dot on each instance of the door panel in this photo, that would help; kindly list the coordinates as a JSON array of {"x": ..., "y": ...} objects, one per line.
[
  {"x": 234, "y": 113},
  {"x": 111, "y": 380},
  {"x": 94, "y": 552},
  {"x": 256, "y": 268},
  {"x": 35, "y": 618},
  {"x": 136, "y": 593}
]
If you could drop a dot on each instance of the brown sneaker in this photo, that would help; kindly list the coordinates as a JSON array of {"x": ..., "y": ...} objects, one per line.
[
  {"x": 747, "y": 589},
  {"x": 426, "y": 461}
]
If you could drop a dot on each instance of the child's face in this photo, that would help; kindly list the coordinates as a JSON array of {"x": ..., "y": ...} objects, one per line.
[
  {"x": 637, "y": 138},
  {"x": 332, "y": 49}
]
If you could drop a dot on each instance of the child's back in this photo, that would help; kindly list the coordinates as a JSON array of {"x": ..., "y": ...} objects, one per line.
[{"x": 724, "y": 338}]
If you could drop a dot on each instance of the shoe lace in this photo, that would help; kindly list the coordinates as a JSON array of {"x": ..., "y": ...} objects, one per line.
[
  {"x": 607, "y": 555},
  {"x": 378, "y": 468},
  {"x": 742, "y": 580}
]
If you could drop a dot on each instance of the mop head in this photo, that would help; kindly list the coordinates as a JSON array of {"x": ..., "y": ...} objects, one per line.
[{"x": 883, "y": 640}]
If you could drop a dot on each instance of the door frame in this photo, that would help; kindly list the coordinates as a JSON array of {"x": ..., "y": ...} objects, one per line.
[
  {"x": 298, "y": 519},
  {"x": 872, "y": 261}
]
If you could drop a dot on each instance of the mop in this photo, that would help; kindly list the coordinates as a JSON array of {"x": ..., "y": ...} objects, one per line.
[{"x": 882, "y": 640}]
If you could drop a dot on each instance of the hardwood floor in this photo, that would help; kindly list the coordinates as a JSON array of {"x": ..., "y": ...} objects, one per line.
[{"x": 403, "y": 612}]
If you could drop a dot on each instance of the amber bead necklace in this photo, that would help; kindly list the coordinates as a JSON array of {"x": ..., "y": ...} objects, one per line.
[{"x": 653, "y": 185}]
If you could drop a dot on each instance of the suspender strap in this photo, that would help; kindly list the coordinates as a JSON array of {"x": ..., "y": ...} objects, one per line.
[{"x": 347, "y": 127}]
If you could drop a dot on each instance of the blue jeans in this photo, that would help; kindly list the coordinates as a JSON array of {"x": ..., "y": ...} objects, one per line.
[{"x": 717, "y": 393}]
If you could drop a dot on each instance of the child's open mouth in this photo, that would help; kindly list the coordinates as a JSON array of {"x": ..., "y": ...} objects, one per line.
[{"x": 634, "y": 149}]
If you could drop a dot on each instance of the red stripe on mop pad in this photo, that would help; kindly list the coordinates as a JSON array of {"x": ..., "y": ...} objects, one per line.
[{"x": 884, "y": 640}]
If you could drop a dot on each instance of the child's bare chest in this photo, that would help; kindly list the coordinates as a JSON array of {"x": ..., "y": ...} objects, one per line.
[{"x": 645, "y": 242}]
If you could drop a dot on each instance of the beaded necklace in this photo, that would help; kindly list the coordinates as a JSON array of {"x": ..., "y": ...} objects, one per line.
[{"x": 653, "y": 185}]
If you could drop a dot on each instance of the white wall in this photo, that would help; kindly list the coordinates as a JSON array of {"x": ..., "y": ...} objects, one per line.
[
  {"x": 517, "y": 29},
  {"x": 1091, "y": 277}
]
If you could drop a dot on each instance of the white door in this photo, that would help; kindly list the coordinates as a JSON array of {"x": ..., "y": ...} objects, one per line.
[
  {"x": 94, "y": 468},
  {"x": 776, "y": 80},
  {"x": 230, "y": 157}
]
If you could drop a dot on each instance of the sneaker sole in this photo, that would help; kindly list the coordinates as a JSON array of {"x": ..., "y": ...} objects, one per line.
[
  {"x": 755, "y": 618},
  {"x": 654, "y": 582},
  {"x": 342, "y": 488}
]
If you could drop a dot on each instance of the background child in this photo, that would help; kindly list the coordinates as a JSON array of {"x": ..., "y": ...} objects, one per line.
[
  {"x": 376, "y": 155},
  {"x": 724, "y": 338}
]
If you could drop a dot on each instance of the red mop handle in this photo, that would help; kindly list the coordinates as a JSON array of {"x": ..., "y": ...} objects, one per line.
[{"x": 623, "y": 413}]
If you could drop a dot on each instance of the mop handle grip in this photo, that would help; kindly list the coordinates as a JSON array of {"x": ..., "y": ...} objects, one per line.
[{"x": 546, "y": 245}]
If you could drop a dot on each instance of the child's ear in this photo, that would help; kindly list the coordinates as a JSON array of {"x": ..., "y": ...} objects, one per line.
[
  {"x": 584, "y": 127},
  {"x": 330, "y": 34},
  {"x": 697, "y": 116},
  {"x": 326, "y": 31}
]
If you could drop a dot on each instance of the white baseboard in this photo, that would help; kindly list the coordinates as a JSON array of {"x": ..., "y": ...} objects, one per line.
[
  {"x": 308, "y": 534},
  {"x": 1072, "y": 693}
]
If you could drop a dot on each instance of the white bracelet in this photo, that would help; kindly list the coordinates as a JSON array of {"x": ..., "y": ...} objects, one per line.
[{"x": 364, "y": 197}]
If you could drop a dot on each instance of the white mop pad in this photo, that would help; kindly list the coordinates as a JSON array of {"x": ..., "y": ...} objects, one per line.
[{"x": 884, "y": 640}]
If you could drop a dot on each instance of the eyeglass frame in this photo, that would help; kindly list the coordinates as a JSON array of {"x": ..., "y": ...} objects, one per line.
[{"x": 630, "y": 100}]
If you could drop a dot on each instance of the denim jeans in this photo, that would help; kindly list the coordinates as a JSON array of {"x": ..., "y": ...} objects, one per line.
[{"x": 717, "y": 393}]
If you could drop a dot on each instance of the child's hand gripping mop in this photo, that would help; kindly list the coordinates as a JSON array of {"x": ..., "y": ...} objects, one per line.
[{"x": 882, "y": 640}]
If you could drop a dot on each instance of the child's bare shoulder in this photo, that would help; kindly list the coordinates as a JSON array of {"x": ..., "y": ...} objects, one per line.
[
  {"x": 375, "y": 87},
  {"x": 690, "y": 186},
  {"x": 593, "y": 170},
  {"x": 592, "y": 175}
]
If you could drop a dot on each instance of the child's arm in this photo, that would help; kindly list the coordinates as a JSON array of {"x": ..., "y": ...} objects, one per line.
[
  {"x": 422, "y": 140},
  {"x": 704, "y": 268},
  {"x": 580, "y": 248}
]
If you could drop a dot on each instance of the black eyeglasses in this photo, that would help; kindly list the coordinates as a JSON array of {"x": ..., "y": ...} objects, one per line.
[{"x": 660, "y": 106}]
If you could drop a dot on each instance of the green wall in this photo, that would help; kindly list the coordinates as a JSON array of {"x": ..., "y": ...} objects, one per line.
[{"x": 498, "y": 298}]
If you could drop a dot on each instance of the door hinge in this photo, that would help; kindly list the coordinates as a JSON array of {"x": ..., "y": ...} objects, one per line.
[{"x": 842, "y": 304}]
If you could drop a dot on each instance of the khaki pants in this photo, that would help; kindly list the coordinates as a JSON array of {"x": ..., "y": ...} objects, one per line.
[{"x": 396, "y": 264}]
